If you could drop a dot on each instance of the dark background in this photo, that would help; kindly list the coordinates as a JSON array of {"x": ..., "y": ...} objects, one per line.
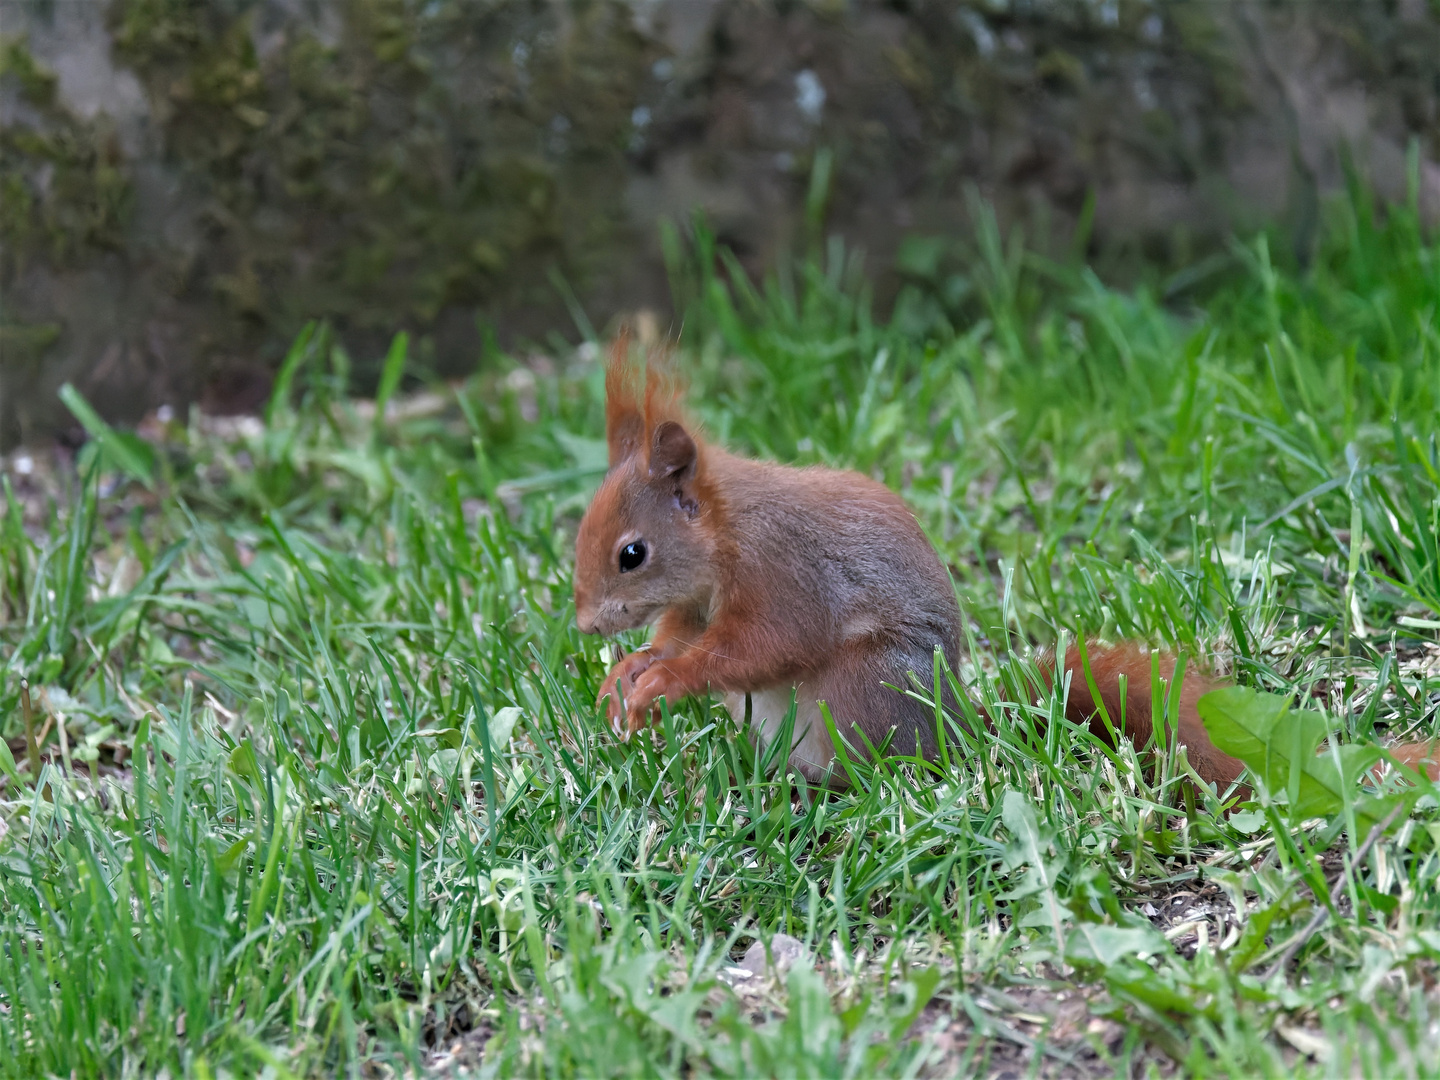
[{"x": 183, "y": 185}]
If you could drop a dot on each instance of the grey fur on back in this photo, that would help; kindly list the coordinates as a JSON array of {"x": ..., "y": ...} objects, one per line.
[{"x": 859, "y": 575}]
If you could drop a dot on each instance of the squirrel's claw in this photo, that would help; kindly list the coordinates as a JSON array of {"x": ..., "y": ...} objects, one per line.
[
  {"x": 649, "y": 688},
  {"x": 617, "y": 691}
]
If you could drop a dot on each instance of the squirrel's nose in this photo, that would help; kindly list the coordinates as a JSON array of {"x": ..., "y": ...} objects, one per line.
[{"x": 584, "y": 611}]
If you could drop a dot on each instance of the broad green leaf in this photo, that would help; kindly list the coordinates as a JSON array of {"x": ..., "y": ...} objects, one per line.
[
  {"x": 1370, "y": 809},
  {"x": 1096, "y": 943},
  {"x": 502, "y": 725},
  {"x": 1330, "y": 778},
  {"x": 1027, "y": 847},
  {"x": 444, "y": 763},
  {"x": 1262, "y": 731},
  {"x": 1278, "y": 745},
  {"x": 1138, "y": 982},
  {"x": 1248, "y": 822},
  {"x": 243, "y": 763}
]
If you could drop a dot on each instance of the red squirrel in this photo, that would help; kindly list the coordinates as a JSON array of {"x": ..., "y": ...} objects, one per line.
[{"x": 762, "y": 578}]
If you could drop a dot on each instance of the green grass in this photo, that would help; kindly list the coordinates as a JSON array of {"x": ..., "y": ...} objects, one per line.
[{"x": 323, "y": 789}]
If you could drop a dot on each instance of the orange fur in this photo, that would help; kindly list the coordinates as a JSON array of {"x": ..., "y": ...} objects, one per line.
[
  {"x": 1423, "y": 757},
  {"x": 624, "y": 424},
  {"x": 637, "y": 398},
  {"x": 1131, "y": 714}
]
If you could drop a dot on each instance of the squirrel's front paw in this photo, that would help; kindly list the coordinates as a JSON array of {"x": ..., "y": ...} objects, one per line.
[
  {"x": 642, "y": 704},
  {"x": 620, "y": 683}
]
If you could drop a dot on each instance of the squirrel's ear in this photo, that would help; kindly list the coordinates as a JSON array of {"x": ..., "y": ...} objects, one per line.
[{"x": 672, "y": 452}]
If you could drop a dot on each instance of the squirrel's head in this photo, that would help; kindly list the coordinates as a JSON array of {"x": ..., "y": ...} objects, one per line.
[{"x": 644, "y": 544}]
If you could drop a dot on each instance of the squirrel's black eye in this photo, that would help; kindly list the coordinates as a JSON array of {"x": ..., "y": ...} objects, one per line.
[{"x": 632, "y": 555}]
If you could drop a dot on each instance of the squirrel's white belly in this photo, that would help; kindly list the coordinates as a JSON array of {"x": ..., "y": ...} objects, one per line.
[{"x": 811, "y": 750}]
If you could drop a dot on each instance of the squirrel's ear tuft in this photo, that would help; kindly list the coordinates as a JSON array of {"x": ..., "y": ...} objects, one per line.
[
  {"x": 624, "y": 418},
  {"x": 673, "y": 452}
]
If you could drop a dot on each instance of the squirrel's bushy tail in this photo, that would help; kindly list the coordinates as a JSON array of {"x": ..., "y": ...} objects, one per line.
[
  {"x": 1420, "y": 756},
  {"x": 1131, "y": 713}
]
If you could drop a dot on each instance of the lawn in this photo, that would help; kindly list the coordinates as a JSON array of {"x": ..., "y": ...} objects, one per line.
[{"x": 319, "y": 787}]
